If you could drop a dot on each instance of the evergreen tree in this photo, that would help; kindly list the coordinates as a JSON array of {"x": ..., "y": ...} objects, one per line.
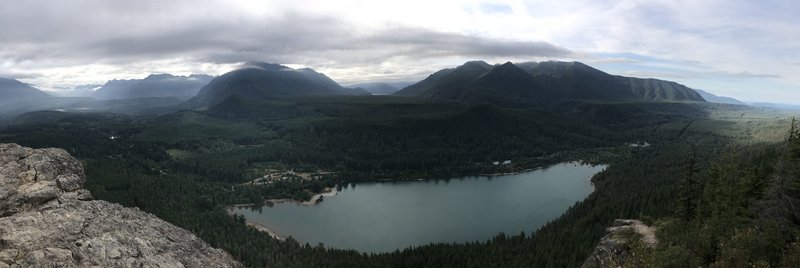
[
  {"x": 789, "y": 179},
  {"x": 689, "y": 188},
  {"x": 793, "y": 141}
]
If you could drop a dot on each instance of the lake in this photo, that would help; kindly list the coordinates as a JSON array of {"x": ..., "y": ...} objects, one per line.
[{"x": 384, "y": 216}]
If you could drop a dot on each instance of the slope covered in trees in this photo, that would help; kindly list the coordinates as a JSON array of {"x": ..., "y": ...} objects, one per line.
[
  {"x": 542, "y": 84},
  {"x": 738, "y": 212},
  {"x": 361, "y": 138},
  {"x": 267, "y": 81}
]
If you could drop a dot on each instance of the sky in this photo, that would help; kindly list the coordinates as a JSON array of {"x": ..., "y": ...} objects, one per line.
[{"x": 745, "y": 49}]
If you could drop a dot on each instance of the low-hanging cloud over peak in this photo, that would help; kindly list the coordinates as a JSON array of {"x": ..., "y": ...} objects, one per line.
[
  {"x": 66, "y": 43},
  {"x": 226, "y": 36}
]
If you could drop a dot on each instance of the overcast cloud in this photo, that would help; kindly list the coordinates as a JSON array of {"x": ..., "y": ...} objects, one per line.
[{"x": 739, "y": 48}]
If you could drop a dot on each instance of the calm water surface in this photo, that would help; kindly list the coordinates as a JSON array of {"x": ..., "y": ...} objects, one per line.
[{"x": 384, "y": 216}]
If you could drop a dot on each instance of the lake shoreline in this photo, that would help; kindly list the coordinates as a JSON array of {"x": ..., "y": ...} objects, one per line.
[
  {"x": 332, "y": 191},
  {"x": 578, "y": 162},
  {"x": 256, "y": 225},
  {"x": 327, "y": 192},
  {"x": 380, "y": 217}
]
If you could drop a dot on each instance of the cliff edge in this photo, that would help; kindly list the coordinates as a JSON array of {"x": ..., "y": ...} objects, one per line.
[
  {"x": 47, "y": 219},
  {"x": 613, "y": 250}
]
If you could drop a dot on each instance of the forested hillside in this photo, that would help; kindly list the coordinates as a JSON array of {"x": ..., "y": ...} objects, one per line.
[
  {"x": 738, "y": 212},
  {"x": 542, "y": 84},
  {"x": 358, "y": 133},
  {"x": 187, "y": 167}
]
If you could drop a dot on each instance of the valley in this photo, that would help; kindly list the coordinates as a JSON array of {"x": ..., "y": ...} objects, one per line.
[
  {"x": 189, "y": 161},
  {"x": 355, "y": 133}
]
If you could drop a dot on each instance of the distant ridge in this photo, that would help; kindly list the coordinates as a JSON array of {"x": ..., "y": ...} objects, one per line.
[
  {"x": 381, "y": 88},
  {"x": 13, "y": 91},
  {"x": 541, "y": 84},
  {"x": 580, "y": 81},
  {"x": 710, "y": 97},
  {"x": 154, "y": 85},
  {"x": 506, "y": 84},
  {"x": 443, "y": 83},
  {"x": 265, "y": 81}
]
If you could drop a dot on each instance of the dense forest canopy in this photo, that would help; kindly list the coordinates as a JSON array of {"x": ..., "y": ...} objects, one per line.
[{"x": 724, "y": 173}]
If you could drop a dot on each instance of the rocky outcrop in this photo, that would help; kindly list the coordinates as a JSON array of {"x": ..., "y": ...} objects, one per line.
[
  {"x": 47, "y": 219},
  {"x": 614, "y": 248}
]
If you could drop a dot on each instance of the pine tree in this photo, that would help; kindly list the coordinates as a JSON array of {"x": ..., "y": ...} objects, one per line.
[
  {"x": 790, "y": 178},
  {"x": 793, "y": 141},
  {"x": 689, "y": 188}
]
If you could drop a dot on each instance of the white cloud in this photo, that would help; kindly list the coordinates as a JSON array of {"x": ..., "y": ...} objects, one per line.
[{"x": 54, "y": 43}]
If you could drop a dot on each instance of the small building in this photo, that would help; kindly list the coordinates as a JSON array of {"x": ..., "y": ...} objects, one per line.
[{"x": 507, "y": 162}]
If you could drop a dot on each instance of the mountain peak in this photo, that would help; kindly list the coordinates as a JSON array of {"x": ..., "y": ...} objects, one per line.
[
  {"x": 507, "y": 69},
  {"x": 154, "y": 85},
  {"x": 158, "y": 76},
  {"x": 8, "y": 83},
  {"x": 476, "y": 63},
  {"x": 560, "y": 69},
  {"x": 265, "y": 66},
  {"x": 268, "y": 81},
  {"x": 12, "y": 90},
  {"x": 507, "y": 66},
  {"x": 542, "y": 83}
]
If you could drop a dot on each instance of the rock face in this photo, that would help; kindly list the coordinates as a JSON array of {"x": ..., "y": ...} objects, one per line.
[
  {"x": 47, "y": 219},
  {"x": 613, "y": 248}
]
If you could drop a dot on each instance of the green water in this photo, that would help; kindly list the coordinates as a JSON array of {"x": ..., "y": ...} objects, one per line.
[{"x": 384, "y": 216}]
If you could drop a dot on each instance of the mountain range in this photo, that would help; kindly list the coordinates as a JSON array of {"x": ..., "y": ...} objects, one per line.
[
  {"x": 154, "y": 85},
  {"x": 542, "y": 83},
  {"x": 710, "y": 97},
  {"x": 13, "y": 91},
  {"x": 527, "y": 84},
  {"x": 382, "y": 88}
]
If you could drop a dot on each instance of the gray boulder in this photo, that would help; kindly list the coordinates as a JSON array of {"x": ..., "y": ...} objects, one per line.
[{"x": 47, "y": 219}]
